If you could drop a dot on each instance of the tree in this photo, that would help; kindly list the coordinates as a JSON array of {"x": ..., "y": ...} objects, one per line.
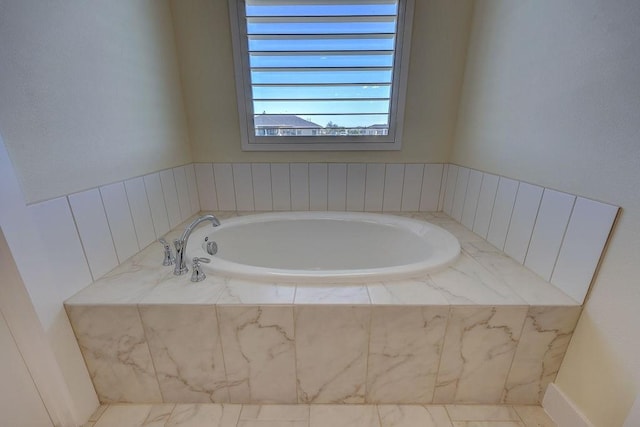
[{"x": 332, "y": 125}]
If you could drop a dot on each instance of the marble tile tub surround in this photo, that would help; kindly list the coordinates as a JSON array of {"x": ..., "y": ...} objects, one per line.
[
  {"x": 485, "y": 322},
  {"x": 322, "y": 354}
]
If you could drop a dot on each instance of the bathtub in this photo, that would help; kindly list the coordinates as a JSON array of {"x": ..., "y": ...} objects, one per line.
[
  {"x": 324, "y": 247},
  {"x": 468, "y": 334}
]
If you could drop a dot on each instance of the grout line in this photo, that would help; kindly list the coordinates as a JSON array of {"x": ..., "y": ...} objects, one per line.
[
  {"x": 346, "y": 189},
  {"x": 12, "y": 334},
  {"x": 289, "y": 184},
  {"x": 510, "y": 218},
  {"x": 233, "y": 187},
  {"x": 215, "y": 187},
  {"x": 190, "y": 211},
  {"x": 364, "y": 188},
  {"x": 84, "y": 252},
  {"x": 308, "y": 187},
  {"x": 164, "y": 201},
  {"x": 253, "y": 187},
  {"x": 515, "y": 352},
  {"x": 195, "y": 177},
  {"x": 364, "y": 199},
  {"x": 175, "y": 184},
  {"x": 404, "y": 176},
  {"x": 126, "y": 196},
  {"x": 513, "y": 208},
  {"x": 346, "y": 184},
  {"x": 442, "y": 347},
  {"x": 271, "y": 185},
  {"x": 493, "y": 207},
  {"x": 446, "y": 410},
  {"x": 368, "y": 354},
  {"x": 189, "y": 187},
  {"x": 273, "y": 208},
  {"x": 454, "y": 182},
  {"x": 377, "y": 409},
  {"x": 146, "y": 342},
  {"x": 533, "y": 229},
  {"x": 224, "y": 360},
  {"x": 290, "y": 190},
  {"x": 564, "y": 234},
  {"x": 384, "y": 183},
  {"x": 424, "y": 168},
  {"x": 295, "y": 350},
  {"x": 106, "y": 217},
  {"x": 146, "y": 195},
  {"x": 475, "y": 210},
  {"x": 95, "y": 422},
  {"x": 518, "y": 414},
  {"x": 464, "y": 200},
  {"x": 441, "y": 189},
  {"x": 326, "y": 182}
]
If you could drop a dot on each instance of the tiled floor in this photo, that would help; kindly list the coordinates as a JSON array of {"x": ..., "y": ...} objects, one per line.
[{"x": 228, "y": 415}]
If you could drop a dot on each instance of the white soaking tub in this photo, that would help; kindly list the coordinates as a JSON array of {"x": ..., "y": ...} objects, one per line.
[{"x": 324, "y": 247}]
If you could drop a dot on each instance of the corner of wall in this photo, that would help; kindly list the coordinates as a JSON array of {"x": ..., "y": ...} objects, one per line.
[
  {"x": 562, "y": 410},
  {"x": 68, "y": 396},
  {"x": 181, "y": 73},
  {"x": 461, "y": 80}
]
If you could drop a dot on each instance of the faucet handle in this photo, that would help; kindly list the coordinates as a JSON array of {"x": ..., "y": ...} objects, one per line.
[
  {"x": 197, "y": 275},
  {"x": 169, "y": 259}
]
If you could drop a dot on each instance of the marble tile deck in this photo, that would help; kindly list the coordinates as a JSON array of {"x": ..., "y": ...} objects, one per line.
[
  {"x": 315, "y": 415},
  {"x": 482, "y": 275}
]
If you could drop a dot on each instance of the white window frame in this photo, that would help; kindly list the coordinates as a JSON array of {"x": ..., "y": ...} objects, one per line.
[{"x": 392, "y": 141}]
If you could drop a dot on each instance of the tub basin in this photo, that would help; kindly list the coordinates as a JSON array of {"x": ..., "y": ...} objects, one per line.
[{"x": 324, "y": 247}]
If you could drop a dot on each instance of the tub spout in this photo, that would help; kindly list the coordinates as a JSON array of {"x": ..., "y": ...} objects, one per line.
[{"x": 181, "y": 243}]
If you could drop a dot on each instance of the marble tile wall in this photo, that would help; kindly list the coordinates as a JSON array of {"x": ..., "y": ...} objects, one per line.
[{"x": 347, "y": 353}]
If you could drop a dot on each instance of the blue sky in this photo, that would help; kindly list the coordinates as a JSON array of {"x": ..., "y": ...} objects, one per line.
[{"x": 362, "y": 92}]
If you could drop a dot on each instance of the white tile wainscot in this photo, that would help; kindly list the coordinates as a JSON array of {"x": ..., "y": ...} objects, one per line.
[
  {"x": 483, "y": 330},
  {"x": 557, "y": 235}
]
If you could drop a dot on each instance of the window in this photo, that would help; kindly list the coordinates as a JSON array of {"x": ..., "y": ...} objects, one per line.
[{"x": 321, "y": 74}]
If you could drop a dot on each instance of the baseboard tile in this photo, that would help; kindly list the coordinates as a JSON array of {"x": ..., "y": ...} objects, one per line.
[{"x": 562, "y": 410}]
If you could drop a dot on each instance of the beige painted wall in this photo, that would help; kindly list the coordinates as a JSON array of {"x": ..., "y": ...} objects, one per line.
[
  {"x": 89, "y": 92},
  {"x": 203, "y": 37},
  {"x": 552, "y": 96}
]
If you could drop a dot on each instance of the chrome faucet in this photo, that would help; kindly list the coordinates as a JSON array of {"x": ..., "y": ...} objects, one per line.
[{"x": 181, "y": 243}]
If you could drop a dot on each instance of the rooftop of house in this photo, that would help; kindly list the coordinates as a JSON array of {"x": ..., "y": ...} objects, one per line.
[{"x": 283, "y": 121}]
